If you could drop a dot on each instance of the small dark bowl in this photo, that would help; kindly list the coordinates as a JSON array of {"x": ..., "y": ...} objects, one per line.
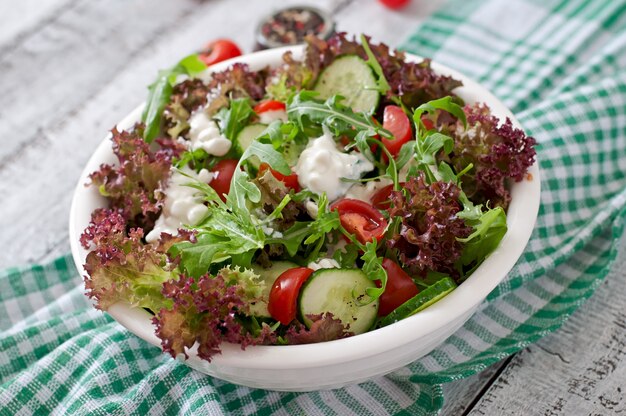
[{"x": 289, "y": 26}]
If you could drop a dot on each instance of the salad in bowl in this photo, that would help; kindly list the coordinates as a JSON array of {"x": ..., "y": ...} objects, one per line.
[{"x": 339, "y": 192}]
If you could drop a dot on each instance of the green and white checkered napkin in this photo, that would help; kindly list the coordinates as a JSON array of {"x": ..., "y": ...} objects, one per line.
[{"x": 559, "y": 65}]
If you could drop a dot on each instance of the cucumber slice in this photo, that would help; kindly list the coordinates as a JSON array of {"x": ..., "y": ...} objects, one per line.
[
  {"x": 351, "y": 77},
  {"x": 292, "y": 151},
  {"x": 269, "y": 276},
  {"x": 420, "y": 301},
  {"x": 247, "y": 135},
  {"x": 334, "y": 290}
]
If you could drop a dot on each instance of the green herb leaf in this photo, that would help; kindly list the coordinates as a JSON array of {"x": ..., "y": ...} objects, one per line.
[
  {"x": 430, "y": 142},
  {"x": 160, "y": 92},
  {"x": 241, "y": 188},
  {"x": 234, "y": 118},
  {"x": 347, "y": 256},
  {"x": 488, "y": 232},
  {"x": 304, "y": 111},
  {"x": 309, "y": 232},
  {"x": 292, "y": 238},
  {"x": 445, "y": 103},
  {"x": 325, "y": 222},
  {"x": 382, "y": 84},
  {"x": 373, "y": 268}
]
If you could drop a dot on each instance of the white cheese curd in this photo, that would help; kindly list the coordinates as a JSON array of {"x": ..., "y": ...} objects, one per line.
[
  {"x": 182, "y": 205},
  {"x": 321, "y": 167},
  {"x": 311, "y": 208},
  {"x": 268, "y": 116},
  {"x": 205, "y": 134},
  {"x": 365, "y": 191},
  {"x": 324, "y": 263}
]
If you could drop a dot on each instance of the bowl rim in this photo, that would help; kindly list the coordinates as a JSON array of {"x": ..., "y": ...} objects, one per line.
[{"x": 521, "y": 217}]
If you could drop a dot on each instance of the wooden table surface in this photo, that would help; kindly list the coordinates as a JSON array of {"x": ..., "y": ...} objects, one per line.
[{"x": 70, "y": 69}]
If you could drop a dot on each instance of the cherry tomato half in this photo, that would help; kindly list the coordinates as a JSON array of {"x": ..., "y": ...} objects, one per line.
[
  {"x": 284, "y": 294},
  {"x": 397, "y": 123},
  {"x": 428, "y": 123},
  {"x": 219, "y": 50},
  {"x": 381, "y": 199},
  {"x": 400, "y": 288},
  {"x": 360, "y": 219},
  {"x": 395, "y": 4},
  {"x": 223, "y": 171},
  {"x": 290, "y": 181},
  {"x": 269, "y": 105}
]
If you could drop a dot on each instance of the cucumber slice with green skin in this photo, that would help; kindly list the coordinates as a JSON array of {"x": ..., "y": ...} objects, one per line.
[
  {"x": 269, "y": 276},
  {"x": 352, "y": 78},
  {"x": 291, "y": 152},
  {"x": 334, "y": 291},
  {"x": 246, "y": 136},
  {"x": 419, "y": 302}
]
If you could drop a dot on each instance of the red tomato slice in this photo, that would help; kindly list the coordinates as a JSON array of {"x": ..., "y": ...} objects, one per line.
[
  {"x": 269, "y": 105},
  {"x": 381, "y": 199},
  {"x": 400, "y": 288},
  {"x": 284, "y": 294},
  {"x": 397, "y": 123},
  {"x": 427, "y": 123},
  {"x": 395, "y": 4},
  {"x": 223, "y": 171},
  {"x": 290, "y": 181},
  {"x": 360, "y": 219},
  {"x": 219, "y": 50}
]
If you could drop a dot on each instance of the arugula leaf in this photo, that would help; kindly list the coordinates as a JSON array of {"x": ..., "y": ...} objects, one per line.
[
  {"x": 305, "y": 110},
  {"x": 382, "y": 84},
  {"x": 347, "y": 256},
  {"x": 373, "y": 268},
  {"x": 430, "y": 142},
  {"x": 160, "y": 92},
  {"x": 197, "y": 156},
  {"x": 445, "y": 103},
  {"x": 488, "y": 232},
  {"x": 426, "y": 151},
  {"x": 277, "y": 213},
  {"x": 241, "y": 188},
  {"x": 292, "y": 238},
  {"x": 325, "y": 222},
  {"x": 196, "y": 258},
  {"x": 309, "y": 232},
  {"x": 224, "y": 235},
  {"x": 406, "y": 153},
  {"x": 234, "y": 118}
]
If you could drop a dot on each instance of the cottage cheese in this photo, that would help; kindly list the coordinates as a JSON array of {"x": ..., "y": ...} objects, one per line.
[
  {"x": 183, "y": 205},
  {"x": 205, "y": 134},
  {"x": 322, "y": 166}
]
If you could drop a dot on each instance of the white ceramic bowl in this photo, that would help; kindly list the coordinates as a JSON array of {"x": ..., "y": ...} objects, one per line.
[{"x": 351, "y": 360}]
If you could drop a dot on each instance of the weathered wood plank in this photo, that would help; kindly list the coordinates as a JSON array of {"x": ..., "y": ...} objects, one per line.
[
  {"x": 579, "y": 370},
  {"x": 461, "y": 395},
  {"x": 21, "y": 19},
  {"x": 56, "y": 69}
]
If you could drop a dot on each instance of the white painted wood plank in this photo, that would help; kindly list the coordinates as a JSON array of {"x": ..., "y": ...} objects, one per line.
[
  {"x": 54, "y": 71},
  {"x": 578, "y": 370},
  {"x": 19, "y": 19}
]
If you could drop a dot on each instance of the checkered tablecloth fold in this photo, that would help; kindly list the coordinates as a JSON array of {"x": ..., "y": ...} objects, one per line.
[{"x": 559, "y": 65}]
